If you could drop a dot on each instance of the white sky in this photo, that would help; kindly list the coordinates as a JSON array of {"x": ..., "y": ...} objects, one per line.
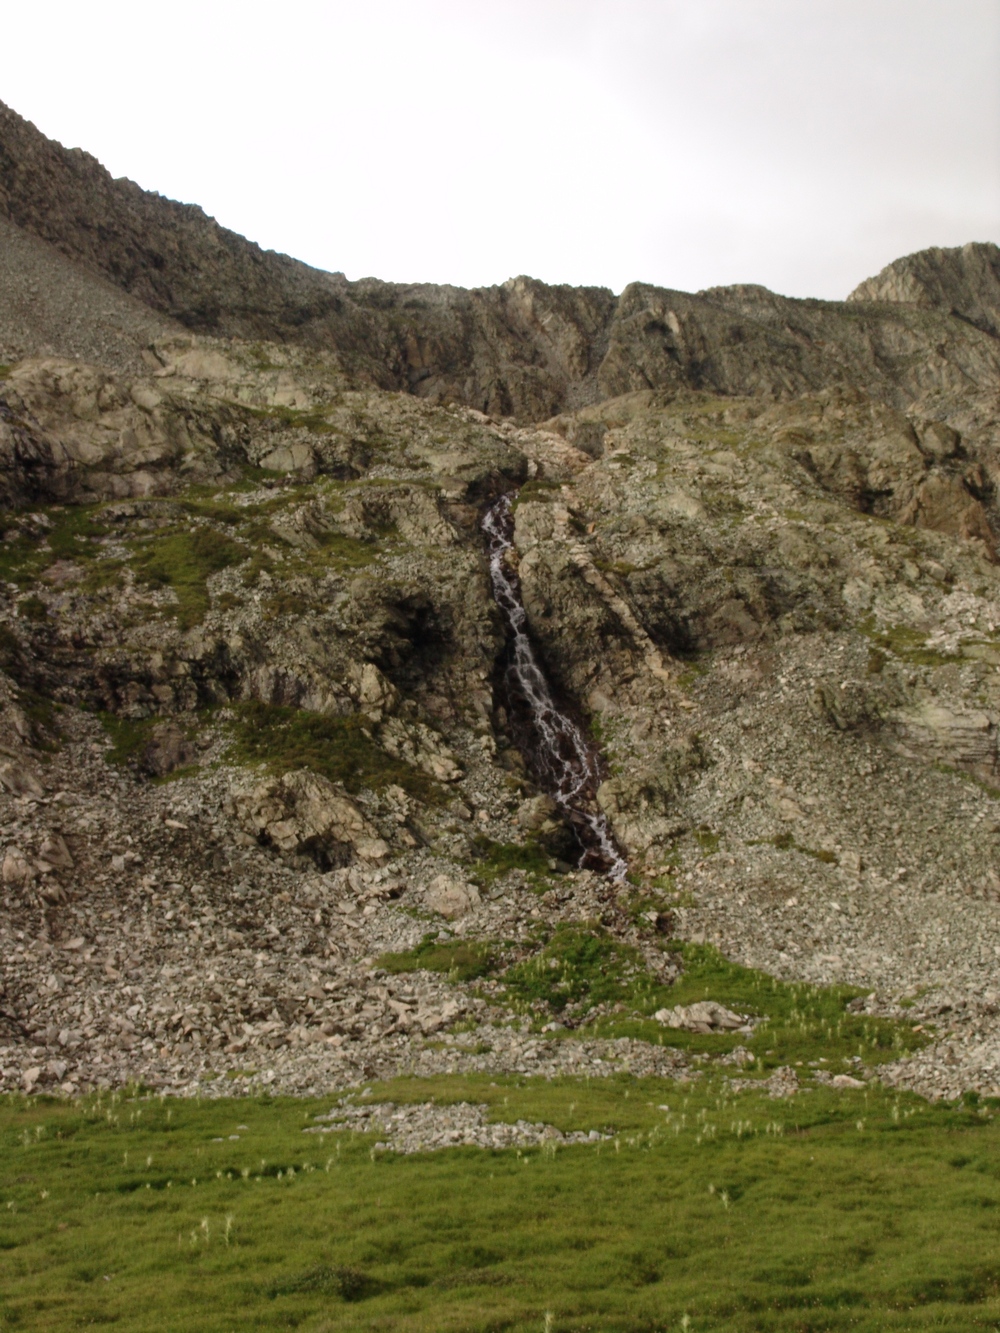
[{"x": 798, "y": 143}]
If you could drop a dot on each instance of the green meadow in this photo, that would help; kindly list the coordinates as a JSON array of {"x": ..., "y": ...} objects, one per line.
[{"x": 706, "y": 1208}]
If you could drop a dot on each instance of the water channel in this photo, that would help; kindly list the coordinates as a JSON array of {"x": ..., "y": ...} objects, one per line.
[{"x": 562, "y": 760}]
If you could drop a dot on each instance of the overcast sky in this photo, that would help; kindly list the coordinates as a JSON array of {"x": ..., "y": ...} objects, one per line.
[{"x": 797, "y": 143}]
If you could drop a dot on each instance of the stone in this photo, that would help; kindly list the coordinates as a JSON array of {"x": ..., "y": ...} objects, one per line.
[
  {"x": 451, "y": 898},
  {"x": 846, "y": 1081},
  {"x": 54, "y": 854},
  {"x": 302, "y": 813},
  {"x": 704, "y": 1016},
  {"x": 169, "y": 748},
  {"x": 16, "y": 869},
  {"x": 18, "y": 779}
]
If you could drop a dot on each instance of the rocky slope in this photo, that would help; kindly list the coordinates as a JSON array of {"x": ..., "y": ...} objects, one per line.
[{"x": 254, "y": 735}]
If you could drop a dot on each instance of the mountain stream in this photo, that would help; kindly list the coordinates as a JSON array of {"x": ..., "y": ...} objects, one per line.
[{"x": 565, "y": 764}]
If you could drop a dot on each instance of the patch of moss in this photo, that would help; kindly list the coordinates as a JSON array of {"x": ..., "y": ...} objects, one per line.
[
  {"x": 620, "y": 567},
  {"x": 43, "y": 714},
  {"x": 992, "y": 792},
  {"x": 462, "y": 960},
  {"x": 785, "y": 842},
  {"x": 339, "y": 748},
  {"x": 581, "y": 965},
  {"x": 288, "y": 603},
  {"x": 494, "y": 859},
  {"x": 33, "y": 608},
  {"x": 129, "y": 736},
  {"x": 538, "y": 488},
  {"x": 184, "y": 561},
  {"x": 707, "y": 839},
  {"x": 313, "y": 419},
  {"x": 908, "y": 644},
  {"x": 691, "y": 673}
]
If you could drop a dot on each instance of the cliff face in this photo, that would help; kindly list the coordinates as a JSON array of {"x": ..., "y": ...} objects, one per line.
[
  {"x": 923, "y": 328},
  {"x": 964, "y": 282}
]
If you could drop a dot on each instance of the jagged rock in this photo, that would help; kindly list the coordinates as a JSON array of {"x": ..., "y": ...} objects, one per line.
[
  {"x": 964, "y": 281},
  {"x": 537, "y": 811},
  {"x": 417, "y": 744},
  {"x": 934, "y": 731},
  {"x": 54, "y": 854},
  {"x": 705, "y": 1016},
  {"x": 375, "y": 696},
  {"x": 303, "y": 813},
  {"x": 16, "y": 777},
  {"x": 168, "y": 749},
  {"x": 17, "y": 869},
  {"x": 450, "y": 897}
]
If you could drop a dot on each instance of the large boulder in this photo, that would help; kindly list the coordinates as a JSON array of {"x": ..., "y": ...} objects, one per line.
[
  {"x": 450, "y": 897},
  {"x": 304, "y": 814}
]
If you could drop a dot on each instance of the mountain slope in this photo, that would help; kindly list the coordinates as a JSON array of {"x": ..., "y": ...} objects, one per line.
[{"x": 257, "y": 730}]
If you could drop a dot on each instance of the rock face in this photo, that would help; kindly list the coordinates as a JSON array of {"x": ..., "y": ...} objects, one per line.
[
  {"x": 304, "y": 814},
  {"x": 964, "y": 281},
  {"x": 255, "y": 747}
]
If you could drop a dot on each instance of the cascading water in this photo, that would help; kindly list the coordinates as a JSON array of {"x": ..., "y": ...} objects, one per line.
[{"x": 565, "y": 765}]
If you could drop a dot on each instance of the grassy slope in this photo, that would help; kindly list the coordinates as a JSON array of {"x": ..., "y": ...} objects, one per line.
[{"x": 857, "y": 1210}]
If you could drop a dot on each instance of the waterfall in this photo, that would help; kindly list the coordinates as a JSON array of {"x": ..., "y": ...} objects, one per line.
[{"x": 565, "y": 764}]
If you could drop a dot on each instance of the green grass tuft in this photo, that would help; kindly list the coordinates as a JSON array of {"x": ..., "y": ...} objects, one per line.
[
  {"x": 580, "y": 966},
  {"x": 494, "y": 859},
  {"x": 338, "y": 748},
  {"x": 462, "y": 960},
  {"x": 184, "y": 561}
]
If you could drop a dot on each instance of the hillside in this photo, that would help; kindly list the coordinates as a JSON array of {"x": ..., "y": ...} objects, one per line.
[{"x": 260, "y": 728}]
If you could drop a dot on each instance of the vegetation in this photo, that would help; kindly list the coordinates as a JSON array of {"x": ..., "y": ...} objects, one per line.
[
  {"x": 494, "y": 859},
  {"x": 706, "y": 1209},
  {"x": 462, "y": 960},
  {"x": 785, "y": 842},
  {"x": 338, "y": 748},
  {"x": 184, "y": 561},
  {"x": 36, "y": 539},
  {"x": 579, "y": 965},
  {"x": 129, "y": 736}
]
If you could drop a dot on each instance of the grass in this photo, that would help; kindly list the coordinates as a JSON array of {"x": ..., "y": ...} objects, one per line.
[
  {"x": 462, "y": 960},
  {"x": 65, "y": 534},
  {"x": 338, "y": 748},
  {"x": 785, "y": 842},
  {"x": 494, "y": 859},
  {"x": 580, "y": 972},
  {"x": 906, "y": 643},
  {"x": 706, "y": 1210},
  {"x": 184, "y": 561}
]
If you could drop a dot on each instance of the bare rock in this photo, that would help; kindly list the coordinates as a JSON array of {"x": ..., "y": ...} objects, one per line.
[
  {"x": 168, "y": 750},
  {"x": 705, "y": 1016},
  {"x": 17, "y": 778},
  {"x": 17, "y": 869},
  {"x": 450, "y": 897},
  {"x": 303, "y": 813}
]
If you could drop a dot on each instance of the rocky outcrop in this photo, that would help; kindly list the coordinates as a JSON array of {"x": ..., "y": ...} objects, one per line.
[
  {"x": 964, "y": 281},
  {"x": 303, "y": 814}
]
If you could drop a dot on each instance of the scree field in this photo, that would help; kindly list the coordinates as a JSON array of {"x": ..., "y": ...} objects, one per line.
[{"x": 703, "y": 1208}]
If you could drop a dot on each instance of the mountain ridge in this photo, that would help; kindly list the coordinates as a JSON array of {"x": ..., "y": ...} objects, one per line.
[{"x": 524, "y": 348}]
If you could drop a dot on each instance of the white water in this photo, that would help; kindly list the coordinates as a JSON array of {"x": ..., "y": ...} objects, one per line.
[{"x": 566, "y": 765}]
